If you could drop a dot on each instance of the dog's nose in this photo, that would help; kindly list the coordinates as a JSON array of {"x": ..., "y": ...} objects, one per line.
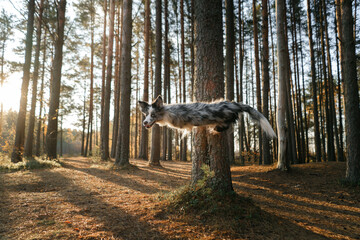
[{"x": 145, "y": 122}]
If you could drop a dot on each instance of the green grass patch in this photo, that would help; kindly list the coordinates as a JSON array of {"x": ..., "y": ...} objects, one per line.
[{"x": 27, "y": 164}]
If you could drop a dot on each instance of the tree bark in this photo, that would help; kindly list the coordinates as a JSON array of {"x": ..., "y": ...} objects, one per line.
[
  {"x": 155, "y": 138},
  {"x": 283, "y": 161},
  {"x": 143, "y": 152},
  {"x": 30, "y": 135},
  {"x": 230, "y": 47},
  {"x": 116, "y": 82},
  {"x": 41, "y": 97},
  {"x": 105, "y": 151},
  {"x": 314, "y": 86},
  {"x": 257, "y": 73},
  {"x": 339, "y": 93},
  {"x": 241, "y": 63},
  {"x": 167, "y": 151},
  {"x": 103, "y": 76},
  {"x": 51, "y": 135},
  {"x": 20, "y": 125},
  {"x": 92, "y": 46},
  {"x": 265, "y": 78},
  {"x": 183, "y": 148},
  {"x": 351, "y": 87},
  {"x": 329, "y": 124},
  {"x": 122, "y": 151},
  {"x": 209, "y": 149}
]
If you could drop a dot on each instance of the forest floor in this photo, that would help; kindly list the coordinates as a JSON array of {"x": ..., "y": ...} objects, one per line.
[{"x": 85, "y": 200}]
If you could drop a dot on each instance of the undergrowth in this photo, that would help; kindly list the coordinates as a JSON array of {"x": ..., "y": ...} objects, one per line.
[
  {"x": 222, "y": 210},
  {"x": 27, "y": 164}
]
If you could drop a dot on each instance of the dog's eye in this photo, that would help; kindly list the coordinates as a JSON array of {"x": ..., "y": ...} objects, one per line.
[{"x": 152, "y": 115}]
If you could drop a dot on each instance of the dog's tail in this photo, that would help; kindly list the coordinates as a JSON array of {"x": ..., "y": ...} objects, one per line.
[{"x": 257, "y": 117}]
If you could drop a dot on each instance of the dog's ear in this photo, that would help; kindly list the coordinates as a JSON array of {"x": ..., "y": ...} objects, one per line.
[
  {"x": 158, "y": 103},
  {"x": 144, "y": 107}
]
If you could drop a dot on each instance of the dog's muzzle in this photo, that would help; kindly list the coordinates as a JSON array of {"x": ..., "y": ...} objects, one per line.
[{"x": 148, "y": 125}]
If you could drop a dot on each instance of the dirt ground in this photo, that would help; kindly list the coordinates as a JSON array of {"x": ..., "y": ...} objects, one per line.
[{"x": 83, "y": 200}]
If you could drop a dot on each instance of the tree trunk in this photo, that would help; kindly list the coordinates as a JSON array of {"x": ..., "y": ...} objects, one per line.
[
  {"x": 20, "y": 125},
  {"x": 122, "y": 151},
  {"x": 183, "y": 148},
  {"x": 329, "y": 125},
  {"x": 116, "y": 83},
  {"x": 103, "y": 76},
  {"x": 265, "y": 77},
  {"x": 257, "y": 73},
  {"x": 341, "y": 139},
  {"x": 314, "y": 86},
  {"x": 40, "y": 119},
  {"x": 92, "y": 46},
  {"x": 105, "y": 151},
  {"x": 166, "y": 131},
  {"x": 209, "y": 149},
  {"x": 155, "y": 138},
  {"x": 331, "y": 87},
  {"x": 241, "y": 99},
  {"x": 83, "y": 123},
  {"x": 51, "y": 135},
  {"x": 351, "y": 87},
  {"x": 274, "y": 83},
  {"x": 143, "y": 152},
  {"x": 30, "y": 135},
  {"x": 283, "y": 161},
  {"x": 230, "y": 47}
]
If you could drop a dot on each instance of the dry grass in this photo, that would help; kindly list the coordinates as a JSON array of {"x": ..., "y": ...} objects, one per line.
[{"x": 90, "y": 200}]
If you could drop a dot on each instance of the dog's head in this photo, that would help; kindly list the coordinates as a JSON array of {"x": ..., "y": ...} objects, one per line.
[{"x": 152, "y": 112}]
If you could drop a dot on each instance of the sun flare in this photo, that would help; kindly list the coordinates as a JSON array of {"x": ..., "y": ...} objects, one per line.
[{"x": 10, "y": 93}]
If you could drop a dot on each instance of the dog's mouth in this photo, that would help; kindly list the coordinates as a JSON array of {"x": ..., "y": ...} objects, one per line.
[{"x": 149, "y": 125}]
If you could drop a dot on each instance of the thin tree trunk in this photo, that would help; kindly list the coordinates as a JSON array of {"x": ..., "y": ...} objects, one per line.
[
  {"x": 265, "y": 77},
  {"x": 241, "y": 62},
  {"x": 136, "y": 109},
  {"x": 183, "y": 153},
  {"x": 61, "y": 135},
  {"x": 83, "y": 123},
  {"x": 229, "y": 63},
  {"x": 20, "y": 125},
  {"x": 166, "y": 131},
  {"x": 41, "y": 101},
  {"x": 331, "y": 87},
  {"x": 257, "y": 74},
  {"x": 116, "y": 83},
  {"x": 30, "y": 135},
  {"x": 274, "y": 82},
  {"x": 289, "y": 111},
  {"x": 341, "y": 138},
  {"x": 105, "y": 151},
  {"x": 304, "y": 96},
  {"x": 92, "y": 46},
  {"x": 103, "y": 76},
  {"x": 314, "y": 86},
  {"x": 155, "y": 138},
  {"x": 329, "y": 125},
  {"x": 143, "y": 153},
  {"x": 51, "y": 136}
]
